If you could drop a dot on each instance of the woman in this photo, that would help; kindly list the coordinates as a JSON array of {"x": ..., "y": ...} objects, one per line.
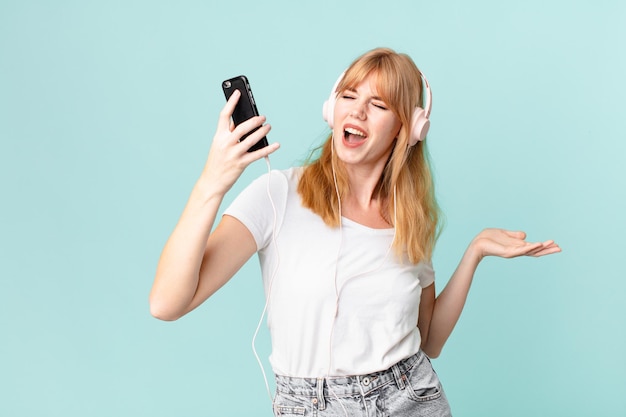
[{"x": 345, "y": 245}]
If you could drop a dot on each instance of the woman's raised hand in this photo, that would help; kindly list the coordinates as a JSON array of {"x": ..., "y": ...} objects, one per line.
[
  {"x": 509, "y": 244},
  {"x": 228, "y": 157}
]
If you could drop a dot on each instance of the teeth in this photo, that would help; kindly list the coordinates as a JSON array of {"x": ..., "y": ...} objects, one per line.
[{"x": 355, "y": 132}]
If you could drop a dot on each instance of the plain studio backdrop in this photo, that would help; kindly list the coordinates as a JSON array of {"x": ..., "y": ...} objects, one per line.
[{"x": 107, "y": 111}]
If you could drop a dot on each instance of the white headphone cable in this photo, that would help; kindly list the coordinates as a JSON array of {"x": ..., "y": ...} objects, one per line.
[
  {"x": 332, "y": 328},
  {"x": 271, "y": 281},
  {"x": 337, "y": 290}
]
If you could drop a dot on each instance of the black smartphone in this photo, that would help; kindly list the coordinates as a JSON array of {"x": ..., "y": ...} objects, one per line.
[{"x": 245, "y": 108}]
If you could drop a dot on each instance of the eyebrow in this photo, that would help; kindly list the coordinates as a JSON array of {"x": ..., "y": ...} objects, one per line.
[{"x": 351, "y": 89}]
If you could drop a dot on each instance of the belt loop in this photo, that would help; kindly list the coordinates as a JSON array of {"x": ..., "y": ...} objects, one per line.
[
  {"x": 320, "y": 394},
  {"x": 398, "y": 377}
]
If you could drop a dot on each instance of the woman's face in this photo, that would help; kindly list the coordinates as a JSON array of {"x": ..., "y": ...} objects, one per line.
[{"x": 364, "y": 126}]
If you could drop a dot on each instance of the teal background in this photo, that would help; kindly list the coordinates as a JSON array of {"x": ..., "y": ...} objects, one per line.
[{"x": 107, "y": 110}]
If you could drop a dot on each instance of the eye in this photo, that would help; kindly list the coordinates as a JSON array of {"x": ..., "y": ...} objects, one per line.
[
  {"x": 379, "y": 105},
  {"x": 348, "y": 96}
]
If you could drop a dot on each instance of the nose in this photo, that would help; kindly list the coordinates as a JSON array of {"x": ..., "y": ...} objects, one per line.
[{"x": 358, "y": 109}]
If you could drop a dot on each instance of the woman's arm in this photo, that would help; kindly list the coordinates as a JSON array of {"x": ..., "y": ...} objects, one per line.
[
  {"x": 443, "y": 312},
  {"x": 427, "y": 303},
  {"x": 195, "y": 262}
]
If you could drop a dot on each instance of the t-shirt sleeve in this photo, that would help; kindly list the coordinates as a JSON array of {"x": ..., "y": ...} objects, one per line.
[
  {"x": 255, "y": 209},
  {"x": 425, "y": 273}
]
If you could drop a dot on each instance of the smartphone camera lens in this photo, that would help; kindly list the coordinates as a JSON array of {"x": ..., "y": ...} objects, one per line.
[{"x": 227, "y": 84}]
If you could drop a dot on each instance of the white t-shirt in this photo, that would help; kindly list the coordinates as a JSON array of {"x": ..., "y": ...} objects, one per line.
[{"x": 372, "y": 326}]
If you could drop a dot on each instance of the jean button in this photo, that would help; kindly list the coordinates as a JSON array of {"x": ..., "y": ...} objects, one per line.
[{"x": 366, "y": 381}]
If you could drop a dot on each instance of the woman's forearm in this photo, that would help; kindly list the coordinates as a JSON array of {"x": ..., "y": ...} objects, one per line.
[
  {"x": 177, "y": 274},
  {"x": 450, "y": 302}
]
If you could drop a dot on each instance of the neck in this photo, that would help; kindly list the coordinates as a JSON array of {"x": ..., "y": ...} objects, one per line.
[
  {"x": 364, "y": 182},
  {"x": 363, "y": 202}
]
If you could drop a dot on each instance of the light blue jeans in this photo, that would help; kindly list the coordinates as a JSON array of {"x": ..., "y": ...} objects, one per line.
[{"x": 409, "y": 388}]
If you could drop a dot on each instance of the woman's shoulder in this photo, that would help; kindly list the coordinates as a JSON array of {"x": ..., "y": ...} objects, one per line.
[
  {"x": 279, "y": 180},
  {"x": 290, "y": 175},
  {"x": 293, "y": 173}
]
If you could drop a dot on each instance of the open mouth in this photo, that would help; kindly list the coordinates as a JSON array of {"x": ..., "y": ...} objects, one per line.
[{"x": 354, "y": 136}]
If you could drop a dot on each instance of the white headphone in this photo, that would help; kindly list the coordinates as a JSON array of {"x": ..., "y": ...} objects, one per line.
[{"x": 419, "y": 122}]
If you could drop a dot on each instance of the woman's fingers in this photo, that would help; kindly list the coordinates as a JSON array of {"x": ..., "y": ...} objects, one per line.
[
  {"x": 524, "y": 248},
  {"x": 547, "y": 248},
  {"x": 249, "y": 157},
  {"x": 224, "y": 120},
  {"x": 229, "y": 139},
  {"x": 249, "y": 126}
]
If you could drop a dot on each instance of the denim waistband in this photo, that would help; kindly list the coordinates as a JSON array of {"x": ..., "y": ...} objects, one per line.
[{"x": 347, "y": 386}]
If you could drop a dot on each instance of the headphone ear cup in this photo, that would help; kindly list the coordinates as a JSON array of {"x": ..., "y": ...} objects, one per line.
[
  {"x": 419, "y": 126},
  {"x": 328, "y": 111}
]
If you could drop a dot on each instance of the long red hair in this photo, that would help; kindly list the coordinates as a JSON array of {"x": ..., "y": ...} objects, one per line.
[{"x": 399, "y": 83}]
